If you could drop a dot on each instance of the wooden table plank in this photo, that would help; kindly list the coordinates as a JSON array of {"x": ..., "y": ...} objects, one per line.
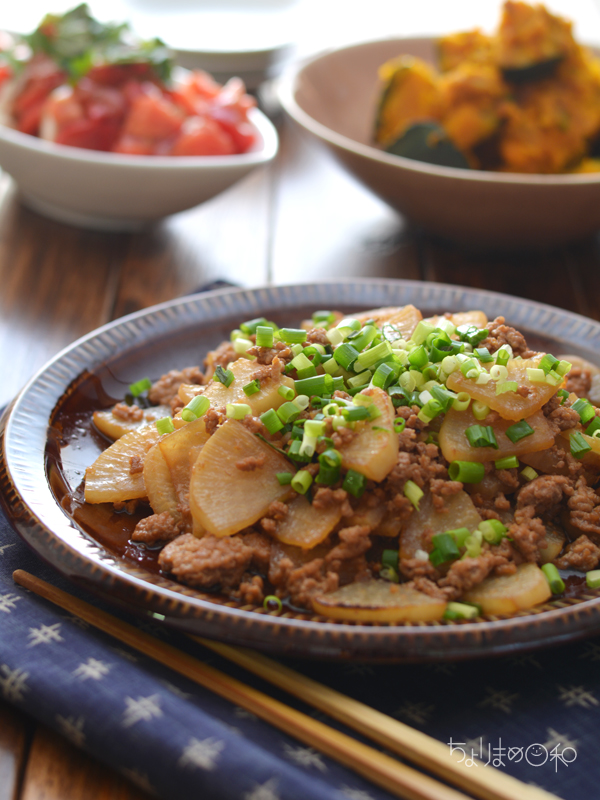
[
  {"x": 13, "y": 751},
  {"x": 58, "y": 771},
  {"x": 327, "y": 226}
]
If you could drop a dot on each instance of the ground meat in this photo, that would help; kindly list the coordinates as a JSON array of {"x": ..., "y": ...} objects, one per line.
[
  {"x": 579, "y": 380},
  {"x": 207, "y": 562},
  {"x": 441, "y": 489},
  {"x": 500, "y": 334},
  {"x": 413, "y": 568},
  {"x": 253, "y": 424},
  {"x": 421, "y": 465},
  {"x": 223, "y": 355},
  {"x": 318, "y": 336},
  {"x": 267, "y": 355},
  {"x": 410, "y": 415},
  {"x": 429, "y": 587},
  {"x": 400, "y": 506},
  {"x": 467, "y": 572},
  {"x": 528, "y": 533},
  {"x": 563, "y": 418},
  {"x": 136, "y": 465},
  {"x": 544, "y": 493},
  {"x": 302, "y": 583},
  {"x": 128, "y": 413},
  {"x": 325, "y": 497},
  {"x": 156, "y": 528},
  {"x": 251, "y": 590},
  {"x": 250, "y": 463},
  {"x": 353, "y": 542},
  {"x": 584, "y": 508},
  {"x": 581, "y": 554},
  {"x": 213, "y": 418},
  {"x": 165, "y": 389}
]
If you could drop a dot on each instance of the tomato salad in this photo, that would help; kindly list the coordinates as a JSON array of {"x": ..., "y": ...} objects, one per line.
[{"x": 78, "y": 82}]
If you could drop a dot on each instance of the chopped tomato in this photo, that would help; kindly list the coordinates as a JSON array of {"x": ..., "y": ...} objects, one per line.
[
  {"x": 27, "y": 107},
  {"x": 134, "y": 146},
  {"x": 153, "y": 116},
  {"x": 89, "y": 134},
  {"x": 5, "y": 73},
  {"x": 202, "y": 137},
  {"x": 241, "y": 132},
  {"x": 117, "y": 74}
]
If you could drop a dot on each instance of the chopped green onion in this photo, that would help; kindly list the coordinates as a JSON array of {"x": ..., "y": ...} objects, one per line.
[
  {"x": 536, "y": 375},
  {"x": 139, "y": 387},
  {"x": 563, "y": 368},
  {"x": 548, "y": 362},
  {"x": 466, "y": 471},
  {"x": 493, "y": 530},
  {"x": 384, "y": 376},
  {"x": 506, "y": 386},
  {"x": 345, "y": 355},
  {"x": 389, "y": 558},
  {"x": 592, "y": 579},
  {"x": 460, "y": 535},
  {"x": 413, "y": 493},
  {"x": 241, "y": 346},
  {"x": 579, "y": 446},
  {"x": 399, "y": 424},
  {"x": 224, "y": 376},
  {"x": 302, "y": 401},
  {"x": 593, "y": 426},
  {"x": 271, "y": 421},
  {"x": 430, "y": 411},
  {"x": 197, "y": 407},
  {"x": 331, "y": 458},
  {"x": 272, "y": 603},
  {"x": 237, "y": 410},
  {"x": 479, "y": 409},
  {"x": 418, "y": 357},
  {"x": 557, "y": 585},
  {"x": 499, "y": 373},
  {"x": 286, "y": 392},
  {"x": 481, "y": 436},
  {"x": 483, "y": 354},
  {"x": 165, "y": 425},
  {"x": 502, "y": 357},
  {"x": 563, "y": 394},
  {"x": 510, "y": 462},
  {"x": 519, "y": 431},
  {"x": 301, "y": 481},
  {"x": 251, "y": 325},
  {"x": 461, "y": 402},
  {"x": 473, "y": 544},
  {"x": 444, "y": 549},
  {"x": 284, "y": 478},
  {"x": 553, "y": 378},
  {"x": 294, "y": 451},
  {"x": 318, "y": 385},
  {"x": 456, "y": 610},
  {"x": 421, "y": 332},
  {"x": 364, "y": 338},
  {"x": 288, "y": 412},
  {"x": 444, "y": 396},
  {"x": 292, "y": 335},
  {"x": 585, "y": 410},
  {"x": 355, "y": 413},
  {"x": 529, "y": 473},
  {"x": 371, "y": 356},
  {"x": 264, "y": 336},
  {"x": 359, "y": 381},
  {"x": 355, "y": 483},
  {"x": 323, "y": 318}
]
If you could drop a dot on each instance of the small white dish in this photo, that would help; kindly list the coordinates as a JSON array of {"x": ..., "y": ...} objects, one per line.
[{"x": 111, "y": 191}]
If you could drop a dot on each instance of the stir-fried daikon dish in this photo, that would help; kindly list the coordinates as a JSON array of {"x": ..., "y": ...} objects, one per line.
[{"x": 380, "y": 467}]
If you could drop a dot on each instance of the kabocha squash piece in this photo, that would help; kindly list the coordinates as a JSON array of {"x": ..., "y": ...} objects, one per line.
[
  {"x": 306, "y": 526},
  {"x": 473, "y": 46},
  {"x": 244, "y": 371},
  {"x": 505, "y": 594},
  {"x": 593, "y": 395},
  {"x": 459, "y": 512},
  {"x": 113, "y": 427},
  {"x": 531, "y": 42},
  {"x": 401, "y": 320},
  {"x": 159, "y": 485},
  {"x": 225, "y": 499},
  {"x": 456, "y": 447},
  {"x": 509, "y": 405},
  {"x": 555, "y": 539},
  {"x": 374, "y": 450},
  {"x": 379, "y": 601},
  {"x": 428, "y": 142},
  {"x": 109, "y": 479},
  {"x": 180, "y": 450},
  {"x": 409, "y": 95}
]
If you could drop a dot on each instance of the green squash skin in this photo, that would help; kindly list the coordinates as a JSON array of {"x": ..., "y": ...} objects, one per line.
[
  {"x": 428, "y": 142},
  {"x": 532, "y": 72}
]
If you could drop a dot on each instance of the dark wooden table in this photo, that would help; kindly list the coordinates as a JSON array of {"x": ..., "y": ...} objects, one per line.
[{"x": 302, "y": 219}]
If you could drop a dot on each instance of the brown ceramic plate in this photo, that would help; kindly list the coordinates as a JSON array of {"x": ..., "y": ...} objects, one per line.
[{"x": 45, "y": 446}]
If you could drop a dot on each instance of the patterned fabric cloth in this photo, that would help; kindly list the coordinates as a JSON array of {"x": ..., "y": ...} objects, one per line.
[{"x": 534, "y": 715}]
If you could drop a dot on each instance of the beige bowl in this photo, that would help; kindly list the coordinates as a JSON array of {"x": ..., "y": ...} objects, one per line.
[
  {"x": 110, "y": 191},
  {"x": 334, "y": 97}
]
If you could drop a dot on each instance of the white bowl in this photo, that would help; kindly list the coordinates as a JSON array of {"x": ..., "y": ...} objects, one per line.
[
  {"x": 334, "y": 97},
  {"x": 110, "y": 191}
]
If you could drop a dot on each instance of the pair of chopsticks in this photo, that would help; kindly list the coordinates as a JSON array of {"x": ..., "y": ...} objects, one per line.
[{"x": 482, "y": 781}]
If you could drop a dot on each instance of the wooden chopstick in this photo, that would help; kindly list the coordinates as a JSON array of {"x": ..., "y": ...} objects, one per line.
[
  {"x": 482, "y": 781},
  {"x": 397, "y": 778}
]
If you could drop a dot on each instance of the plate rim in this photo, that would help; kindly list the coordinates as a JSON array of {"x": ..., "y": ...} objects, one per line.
[{"x": 33, "y": 520}]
